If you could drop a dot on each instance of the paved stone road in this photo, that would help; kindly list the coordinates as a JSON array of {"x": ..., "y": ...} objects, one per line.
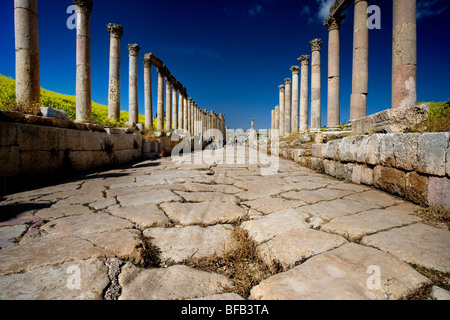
[{"x": 334, "y": 240}]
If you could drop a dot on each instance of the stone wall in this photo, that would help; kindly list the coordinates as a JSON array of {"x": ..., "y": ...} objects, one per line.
[
  {"x": 411, "y": 165},
  {"x": 28, "y": 150}
]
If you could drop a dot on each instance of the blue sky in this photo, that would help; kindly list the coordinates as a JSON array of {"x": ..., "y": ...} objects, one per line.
[{"x": 230, "y": 55}]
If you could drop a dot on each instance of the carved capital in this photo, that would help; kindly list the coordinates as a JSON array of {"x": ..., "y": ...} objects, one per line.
[
  {"x": 333, "y": 23},
  {"x": 287, "y": 81},
  {"x": 295, "y": 69},
  {"x": 147, "y": 63},
  {"x": 304, "y": 60},
  {"x": 133, "y": 49},
  {"x": 84, "y": 5},
  {"x": 316, "y": 44},
  {"x": 282, "y": 88},
  {"x": 115, "y": 30}
]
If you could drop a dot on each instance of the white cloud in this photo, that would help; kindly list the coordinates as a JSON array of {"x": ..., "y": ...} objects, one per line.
[
  {"x": 429, "y": 8},
  {"x": 324, "y": 9},
  {"x": 305, "y": 11}
]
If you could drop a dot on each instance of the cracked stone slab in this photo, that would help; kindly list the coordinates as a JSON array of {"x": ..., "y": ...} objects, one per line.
[
  {"x": 9, "y": 234},
  {"x": 201, "y": 187},
  {"x": 178, "y": 244},
  {"x": 139, "y": 199},
  {"x": 207, "y": 197},
  {"x": 145, "y": 216},
  {"x": 85, "y": 224},
  {"x": 135, "y": 189},
  {"x": 57, "y": 282},
  {"x": 62, "y": 209},
  {"x": 219, "y": 297},
  {"x": 368, "y": 222},
  {"x": 342, "y": 274},
  {"x": 205, "y": 213},
  {"x": 337, "y": 208},
  {"x": 269, "y": 205},
  {"x": 174, "y": 283},
  {"x": 42, "y": 252},
  {"x": 292, "y": 247},
  {"x": 267, "y": 227},
  {"x": 314, "y": 196},
  {"x": 419, "y": 244},
  {"x": 378, "y": 198}
]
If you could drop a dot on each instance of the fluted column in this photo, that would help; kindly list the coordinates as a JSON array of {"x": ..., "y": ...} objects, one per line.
[
  {"x": 168, "y": 105},
  {"x": 304, "y": 93},
  {"x": 333, "y": 102},
  {"x": 295, "y": 95},
  {"x": 83, "y": 83},
  {"x": 133, "y": 84},
  {"x": 316, "y": 103},
  {"x": 28, "y": 79},
  {"x": 174, "y": 108},
  {"x": 160, "y": 111},
  {"x": 116, "y": 32},
  {"x": 287, "y": 106},
  {"x": 404, "y": 55},
  {"x": 148, "y": 93},
  {"x": 282, "y": 111},
  {"x": 360, "y": 74}
]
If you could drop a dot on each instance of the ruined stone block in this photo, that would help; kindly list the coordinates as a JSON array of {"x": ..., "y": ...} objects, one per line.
[
  {"x": 387, "y": 157},
  {"x": 348, "y": 148},
  {"x": 432, "y": 148},
  {"x": 332, "y": 150},
  {"x": 390, "y": 180},
  {"x": 417, "y": 188},
  {"x": 362, "y": 175},
  {"x": 8, "y": 134},
  {"x": 405, "y": 150},
  {"x": 9, "y": 161},
  {"x": 438, "y": 192},
  {"x": 329, "y": 167},
  {"x": 31, "y": 137}
]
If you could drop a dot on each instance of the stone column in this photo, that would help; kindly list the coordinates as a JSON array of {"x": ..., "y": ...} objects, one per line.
[
  {"x": 83, "y": 83},
  {"x": 253, "y": 124},
  {"x": 148, "y": 93},
  {"x": 168, "y": 105},
  {"x": 360, "y": 74},
  {"x": 185, "y": 113},
  {"x": 174, "y": 108},
  {"x": 189, "y": 115},
  {"x": 287, "y": 106},
  {"x": 272, "y": 119},
  {"x": 282, "y": 111},
  {"x": 333, "y": 103},
  {"x": 180, "y": 111},
  {"x": 295, "y": 95},
  {"x": 116, "y": 32},
  {"x": 160, "y": 111},
  {"x": 28, "y": 79},
  {"x": 133, "y": 84},
  {"x": 404, "y": 55},
  {"x": 304, "y": 93},
  {"x": 316, "y": 103},
  {"x": 277, "y": 118}
]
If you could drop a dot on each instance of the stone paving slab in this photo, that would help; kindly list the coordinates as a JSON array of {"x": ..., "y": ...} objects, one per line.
[
  {"x": 173, "y": 283},
  {"x": 375, "y": 197},
  {"x": 178, "y": 244},
  {"x": 419, "y": 244},
  {"x": 342, "y": 274},
  {"x": 207, "y": 197},
  {"x": 223, "y": 296},
  {"x": 139, "y": 199},
  {"x": 314, "y": 196},
  {"x": 368, "y": 222},
  {"x": 269, "y": 205},
  {"x": 57, "y": 282},
  {"x": 205, "y": 213},
  {"x": 9, "y": 234},
  {"x": 145, "y": 216},
  {"x": 337, "y": 208}
]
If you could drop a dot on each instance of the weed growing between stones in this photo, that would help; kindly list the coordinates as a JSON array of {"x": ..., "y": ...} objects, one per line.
[
  {"x": 435, "y": 216},
  {"x": 438, "y": 278},
  {"x": 241, "y": 264},
  {"x": 150, "y": 255}
]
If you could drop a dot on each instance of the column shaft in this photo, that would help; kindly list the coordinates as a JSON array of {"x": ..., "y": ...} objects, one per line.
[
  {"x": 174, "y": 108},
  {"x": 282, "y": 110},
  {"x": 316, "y": 91},
  {"x": 304, "y": 93},
  {"x": 295, "y": 95},
  {"x": 148, "y": 94},
  {"x": 116, "y": 32},
  {"x": 160, "y": 111},
  {"x": 133, "y": 84},
  {"x": 168, "y": 106},
  {"x": 287, "y": 106}
]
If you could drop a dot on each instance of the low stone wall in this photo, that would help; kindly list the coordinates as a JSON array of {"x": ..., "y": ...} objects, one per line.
[
  {"x": 28, "y": 150},
  {"x": 411, "y": 165}
]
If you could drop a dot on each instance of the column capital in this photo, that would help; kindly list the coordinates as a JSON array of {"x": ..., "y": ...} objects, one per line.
[
  {"x": 316, "y": 44},
  {"x": 333, "y": 23},
  {"x": 295, "y": 69},
  {"x": 304, "y": 60},
  {"x": 115, "y": 30},
  {"x": 282, "y": 88},
  {"x": 84, "y": 5},
  {"x": 133, "y": 49},
  {"x": 147, "y": 63},
  {"x": 287, "y": 81}
]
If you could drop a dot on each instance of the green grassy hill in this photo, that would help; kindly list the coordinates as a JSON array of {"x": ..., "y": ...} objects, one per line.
[{"x": 59, "y": 101}]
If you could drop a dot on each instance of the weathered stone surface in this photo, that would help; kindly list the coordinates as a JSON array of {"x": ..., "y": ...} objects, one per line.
[
  {"x": 102, "y": 204},
  {"x": 9, "y": 234},
  {"x": 438, "y": 293},
  {"x": 314, "y": 196},
  {"x": 223, "y": 296},
  {"x": 416, "y": 188},
  {"x": 62, "y": 209},
  {"x": 294, "y": 246},
  {"x": 178, "y": 244},
  {"x": 368, "y": 222},
  {"x": 145, "y": 216},
  {"x": 406, "y": 150},
  {"x": 54, "y": 113},
  {"x": 348, "y": 148},
  {"x": 390, "y": 180},
  {"x": 332, "y": 150},
  {"x": 342, "y": 274},
  {"x": 387, "y": 157},
  {"x": 432, "y": 153},
  {"x": 201, "y": 187},
  {"x": 173, "y": 283},
  {"x": 375, "y": 197},
  {"x": 337, "y": 208},
  {"x": 57, "y": 282},
  {"x": 86, "y": 224},
  {"x": 52, "y": 251},
  {"x": 207, "y": 197},
  {"x": 362, "y": 175},
  {"x": 419, "y": 244},
  {"x": 270, "y": 205},
  {"x": 438, "y": 192},
  {"x": 265, "y": 228},
  {"x": 205, "y": 213},
  {"x": 140, "y": 199}
]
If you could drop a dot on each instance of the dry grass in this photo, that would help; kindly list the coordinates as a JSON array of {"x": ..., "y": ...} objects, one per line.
[
  {"x": 438, "y": 278},
  {"x": 435, "y": 216},
  {"x": 242, "y": 264}
]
